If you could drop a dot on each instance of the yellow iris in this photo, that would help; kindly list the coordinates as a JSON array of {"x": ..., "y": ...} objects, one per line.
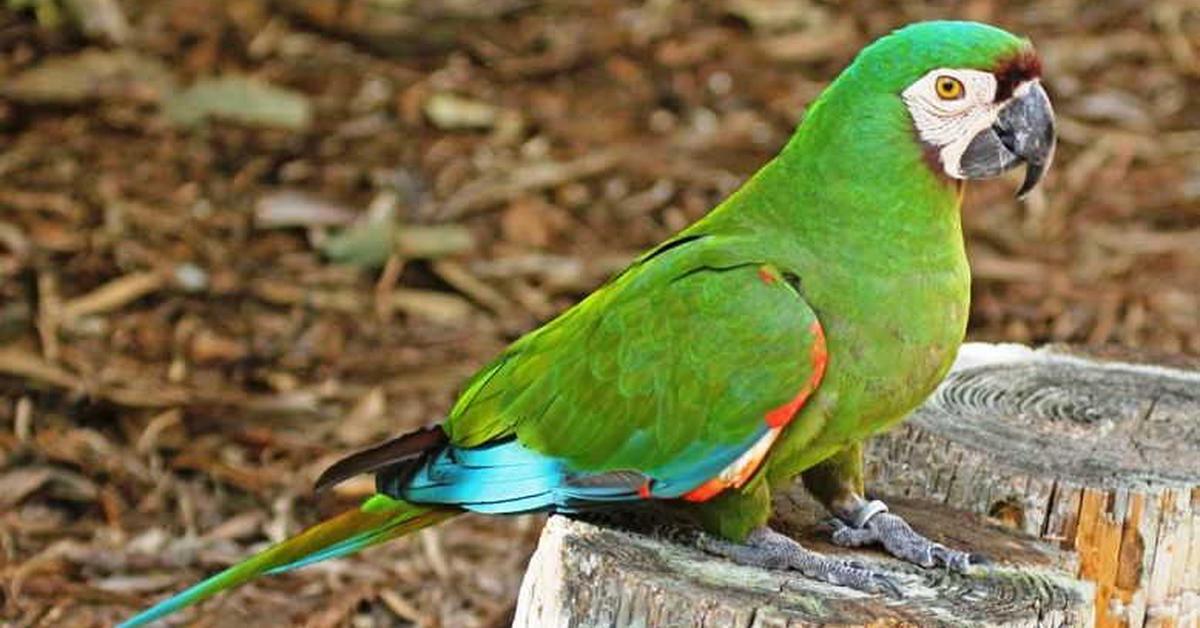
[{"x": 948, "y": 88}]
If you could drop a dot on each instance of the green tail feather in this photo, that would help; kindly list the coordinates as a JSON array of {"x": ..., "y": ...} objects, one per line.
[{"x": 379, "y": 519}]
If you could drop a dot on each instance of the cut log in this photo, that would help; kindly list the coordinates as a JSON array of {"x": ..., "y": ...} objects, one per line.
[
  {"x": 1096, "y": 456},
  {"x": 587, "y": 575},
  {"x": 1091, "y": 465}
]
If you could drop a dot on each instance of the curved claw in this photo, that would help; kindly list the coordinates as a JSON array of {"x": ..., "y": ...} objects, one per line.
[
  {"x": 979, "y": 560},
  {"x": 771, "y": 550},
  {"x": 847, "y": 573},
  {"x": 846, "y": 536},
  {"x": 889, "y": 586},
  {"x": 952, "y": 559},
  {"x": 900, "y": 540}
]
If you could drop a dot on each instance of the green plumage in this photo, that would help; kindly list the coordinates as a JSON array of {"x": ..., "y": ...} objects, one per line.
[
  {"x": 687, "y": 349},
  {"x": 847, "y": 247},
  {"x": 852, "y": 209}
]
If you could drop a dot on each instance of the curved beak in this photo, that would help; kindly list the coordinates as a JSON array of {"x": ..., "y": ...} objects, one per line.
[{"x": 1023, "y": 132}]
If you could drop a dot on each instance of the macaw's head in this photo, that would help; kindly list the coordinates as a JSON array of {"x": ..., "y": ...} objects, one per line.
[{"x": 968, "y": 94}]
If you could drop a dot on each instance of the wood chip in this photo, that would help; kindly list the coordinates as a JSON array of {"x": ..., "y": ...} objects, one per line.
[
  {"x": 294, "y": 208},
  {"x": 489, "y": 192},
  {"x": 114, "y": 295},
  {"x": 482, "y": 293},
  {"x": 16, "y": 362}
]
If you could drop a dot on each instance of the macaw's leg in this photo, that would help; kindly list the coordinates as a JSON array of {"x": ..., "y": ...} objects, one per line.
[
  {"x": 837, "y": 483},
  {"x": 742, "y": 515}
]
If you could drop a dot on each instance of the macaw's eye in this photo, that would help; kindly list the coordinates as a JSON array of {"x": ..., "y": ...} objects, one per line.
[{"x": 948, "y": 88}]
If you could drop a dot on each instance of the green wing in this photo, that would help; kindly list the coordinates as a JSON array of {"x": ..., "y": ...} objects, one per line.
[{"x": 671, "y": 366}]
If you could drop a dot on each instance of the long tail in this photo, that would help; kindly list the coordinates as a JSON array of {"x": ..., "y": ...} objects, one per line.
[{"x": 379, "y": 519}]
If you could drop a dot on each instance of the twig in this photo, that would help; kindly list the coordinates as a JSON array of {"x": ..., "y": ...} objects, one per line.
[
  {"x": 401, "y": 607},
  {"x": 386, "y": 286},
  {"x": 482, "y": 293},
  {"x": 49, "y": 313},
  {"x": 436, "y": 306},
  {"x": 28, "y": 366},
  {"x": 114, "y": 294},
  {"x": 492, "y": 191},
  {"x": 21, "y": 364}
]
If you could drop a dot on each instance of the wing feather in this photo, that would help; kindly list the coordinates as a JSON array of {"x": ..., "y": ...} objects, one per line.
[{"x": 668, "y": 371}]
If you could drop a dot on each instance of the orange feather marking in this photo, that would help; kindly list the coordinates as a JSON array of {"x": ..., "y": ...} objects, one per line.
[
  {"x": 706, "y": 491},
  {"x": 742, "y": 469},
  {"x": 818, "y": 357}
]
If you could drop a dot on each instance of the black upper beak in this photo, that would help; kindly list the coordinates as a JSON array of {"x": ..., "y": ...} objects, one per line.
[{"x": 1023, "y": 132}]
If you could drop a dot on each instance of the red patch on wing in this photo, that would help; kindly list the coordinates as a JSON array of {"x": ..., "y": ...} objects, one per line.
[
  {"x": 780, "y": 416},
  {"x": 644, "y": 490},
  {"x": 776, "y": 419},
  {"x": 818, "y": 357},
  {"x": 766, "y": 275},
  {"x": 706, "y": 491}
]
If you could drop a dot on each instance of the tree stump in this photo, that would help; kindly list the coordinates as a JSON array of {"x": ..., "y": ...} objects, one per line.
[
  {"x": 1091, "y": 466},
  {"x": 1098, "y": 457},
  {"x": 588, "y": 575}
]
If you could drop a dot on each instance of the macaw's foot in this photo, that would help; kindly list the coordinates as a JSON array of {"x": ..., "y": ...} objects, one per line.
[
  {"x": 872, "y": 523},
  {"x": 769, "y": 549}
]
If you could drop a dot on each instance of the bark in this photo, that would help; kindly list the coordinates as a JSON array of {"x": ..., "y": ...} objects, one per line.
[
  {"x": 589, "y": 575},
  {"x": 1078, "y": 476},
  {"x": 1097, "y": 456}
]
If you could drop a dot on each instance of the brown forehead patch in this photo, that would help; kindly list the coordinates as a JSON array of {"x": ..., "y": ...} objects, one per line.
[{"x": 1015, "y": 70}]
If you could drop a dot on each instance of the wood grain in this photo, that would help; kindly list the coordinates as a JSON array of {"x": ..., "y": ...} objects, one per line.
[
  {"x": 1078, "y": 474},
  {"x": 589, "y": 575},
  {"x": 1096, "y": 455}
]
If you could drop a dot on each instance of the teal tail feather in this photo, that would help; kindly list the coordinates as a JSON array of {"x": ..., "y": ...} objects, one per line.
[{"x": 379, "y": 519}]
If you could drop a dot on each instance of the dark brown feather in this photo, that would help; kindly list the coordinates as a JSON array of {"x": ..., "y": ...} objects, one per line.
[
  {"x": 406, "y": 448},
  {"x": 1013, "y": 71}
]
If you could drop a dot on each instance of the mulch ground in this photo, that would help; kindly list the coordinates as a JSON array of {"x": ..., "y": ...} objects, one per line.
[{"x": 198, "y": 311}]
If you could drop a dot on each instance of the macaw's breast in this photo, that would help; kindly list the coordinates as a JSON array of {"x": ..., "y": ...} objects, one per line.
[{"x": 889, "y": 347}]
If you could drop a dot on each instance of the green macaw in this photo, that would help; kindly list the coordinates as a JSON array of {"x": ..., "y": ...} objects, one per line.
[{"x": 817, "y": 305}]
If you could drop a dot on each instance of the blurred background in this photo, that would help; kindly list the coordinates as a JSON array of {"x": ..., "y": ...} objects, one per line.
[{"x": 240, "y": 239}]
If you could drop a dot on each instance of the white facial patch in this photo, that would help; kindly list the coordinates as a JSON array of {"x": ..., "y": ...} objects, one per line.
[{"x": 949, "y": 124}]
